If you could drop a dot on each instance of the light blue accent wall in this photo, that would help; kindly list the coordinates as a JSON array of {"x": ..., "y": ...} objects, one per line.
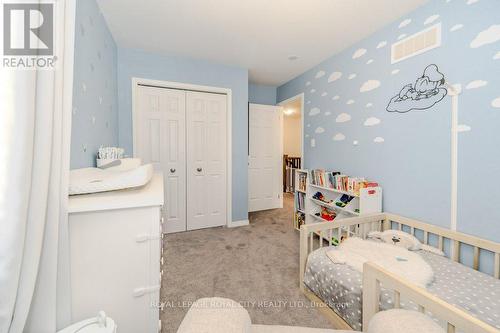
[
  {"x": 412, "y": 164},
  {"x": 95, "y": 101},
  {"x": 261, "y": 94},
  {"x": 134, "y": 63}
]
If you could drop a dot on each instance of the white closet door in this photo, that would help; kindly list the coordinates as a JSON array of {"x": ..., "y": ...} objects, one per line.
[
  {"x": 161, "y": 140},
  {"x": 265, "y": 169},
  {"x": 206, "y": 160}
]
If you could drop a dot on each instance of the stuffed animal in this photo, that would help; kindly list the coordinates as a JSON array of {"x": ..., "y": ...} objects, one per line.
[
  {"x": 403, "y": 239},
  {"x": 398, "y": 238}
]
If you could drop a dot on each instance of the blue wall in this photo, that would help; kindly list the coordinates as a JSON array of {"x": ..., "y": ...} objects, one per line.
[
  {"x": 134, "y": 63},
  {"x": 411, "y": 156},
  {"x": 261, "y": 94},
  {"x": 95, "y": 111}
]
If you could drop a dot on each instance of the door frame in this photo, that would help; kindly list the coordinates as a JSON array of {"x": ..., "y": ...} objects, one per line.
[
  {"x": 291, "y": 99},
  {"x": 136, "y": 81}
]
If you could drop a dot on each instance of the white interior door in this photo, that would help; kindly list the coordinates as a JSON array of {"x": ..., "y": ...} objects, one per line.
[
  {"x": 206, "y": 160},
  {"x": 161, "y": 140},
  {"x": 265, "y": 169}
]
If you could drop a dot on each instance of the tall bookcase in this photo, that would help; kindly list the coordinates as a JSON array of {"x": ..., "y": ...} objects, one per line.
[{"x": 300, "y": 198}]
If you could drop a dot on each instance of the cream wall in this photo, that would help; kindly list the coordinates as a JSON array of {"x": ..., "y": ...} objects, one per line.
[{"x": 291, "y": 136}]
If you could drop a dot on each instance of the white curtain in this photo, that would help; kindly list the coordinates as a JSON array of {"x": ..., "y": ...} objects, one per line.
[{"x": 35, "y": 130}]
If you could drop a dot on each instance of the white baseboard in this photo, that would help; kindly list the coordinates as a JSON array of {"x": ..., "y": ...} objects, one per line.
[{"x": 239, "y": 223}]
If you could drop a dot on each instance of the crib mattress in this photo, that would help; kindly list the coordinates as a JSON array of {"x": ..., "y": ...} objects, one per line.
[{"x": 339, "y": 286}]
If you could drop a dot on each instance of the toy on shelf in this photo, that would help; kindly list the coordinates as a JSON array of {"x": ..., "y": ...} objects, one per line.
[
  {"x": 327, "y": 214},
  {"x": 344, "y": 200},
  {"x": 320, "y": 197}
]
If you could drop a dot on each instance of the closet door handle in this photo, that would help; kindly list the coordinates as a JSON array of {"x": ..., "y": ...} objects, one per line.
[
  {"x": 172, "y": 170},
  {"x": 199, "y": 169}
]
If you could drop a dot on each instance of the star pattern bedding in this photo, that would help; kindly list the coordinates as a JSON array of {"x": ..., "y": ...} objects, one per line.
[{"x": 339, "y": 286}]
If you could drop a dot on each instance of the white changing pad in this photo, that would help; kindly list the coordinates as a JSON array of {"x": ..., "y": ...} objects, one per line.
[{"x": 93, "y": 180}]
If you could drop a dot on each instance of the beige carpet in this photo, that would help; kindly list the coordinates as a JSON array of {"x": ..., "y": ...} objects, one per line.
[{"x": 256, "y": 265}]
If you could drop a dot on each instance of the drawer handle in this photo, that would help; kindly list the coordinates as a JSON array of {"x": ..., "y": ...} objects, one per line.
[
  {"x": 172, "y": 170},
  {"x": 199, "y": 169},
  {"x": 141, "y": 291}
]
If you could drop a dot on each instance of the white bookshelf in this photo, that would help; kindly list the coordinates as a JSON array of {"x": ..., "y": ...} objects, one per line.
[
  {"x": 299, "y": 192},
  {"x": 369, "y": 200}
]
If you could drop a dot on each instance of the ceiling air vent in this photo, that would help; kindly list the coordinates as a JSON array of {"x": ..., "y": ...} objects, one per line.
[{"x": 418, "y": 43}]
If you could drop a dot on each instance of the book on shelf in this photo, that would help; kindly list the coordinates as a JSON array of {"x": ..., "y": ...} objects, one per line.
[
  {"x": 302, "y": 178},
  {"x": 338, "y": 181},
  {"x": 300, "y": 219},
  {"x": 300, "y": 201}
]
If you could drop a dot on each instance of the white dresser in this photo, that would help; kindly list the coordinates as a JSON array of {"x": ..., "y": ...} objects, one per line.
[{"x": 116, "y": 249}]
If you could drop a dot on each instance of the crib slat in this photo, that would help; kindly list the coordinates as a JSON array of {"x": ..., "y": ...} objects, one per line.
[
  {"x": 400, "y": 226},
  {"x": 456, "y": 251},
  {"x": 311, "y": 240},
  {"x": 339, "y": 234},
  {"x": 397, "y": 299},
  {"x": 330, "y": 241},
  {"x": 475, "y": 265},
  {"x": 426, "y": 237},
  {"x": 441, "y": 243},
  {"x": 421, "y": 309},
  {"x": 450, "y": 329},
  {"x": 497, "y": 265},
  {"x": 412, "y": 231},
  {"x": 321, "y": 238}
]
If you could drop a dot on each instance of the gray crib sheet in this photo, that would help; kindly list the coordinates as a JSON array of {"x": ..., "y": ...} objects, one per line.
[{"x": 340, "y": 287}]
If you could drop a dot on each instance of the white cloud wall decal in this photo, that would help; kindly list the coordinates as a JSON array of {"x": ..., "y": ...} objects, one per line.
[
  {"x": 496, "y": 56},
  {"x": 336, "y": 97},
  {"x": 496, "y": 103},
  {"x": 352, "y": 76},
  {"x": 349, "y": 102},
  {"x": 327, "y": 113},
  {"x": 369, "y": 85},
  {"x": 338, "y": 137},
  {"x": 319, "y": 130},
  {"x": 431, "y": 19},
  {"x": 313, "y": 91},
  {"x": 463, "y": 128},
  {"x": 401, "y": 36},
  {"x": 378, "y": 139},
  {"x": 314, "y": 111},
  {"x": 308, "y": 83},
  {"x": 404, "y": 23},
  {"x": 334, "y": 76},
  {"x": 372, "y": 121},
  {"x": 324, "y": 93},
  {"x": 320, "y": 74},
  {"x": 369, "y": 105},
  {"x": 359, "y": 53},
  {"x": 342, "y": 118},
  {"x": 395, "y": 71},
  {"x": 381, "y": 44},
  {"x": 488, "y": 36},
  {"x": 355, "y": 142},
  {"x": 470, "y": 2},
  {"x": 369, "y": 61},
  {"x": 476, "y": 84},
  {"x": 456, "y": 27}
]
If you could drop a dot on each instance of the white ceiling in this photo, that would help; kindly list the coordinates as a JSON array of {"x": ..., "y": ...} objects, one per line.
[{"x": 254, "y": 34}]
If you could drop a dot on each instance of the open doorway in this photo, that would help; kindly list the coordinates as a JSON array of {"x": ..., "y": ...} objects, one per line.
[{"x": 292, "y": 140}]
